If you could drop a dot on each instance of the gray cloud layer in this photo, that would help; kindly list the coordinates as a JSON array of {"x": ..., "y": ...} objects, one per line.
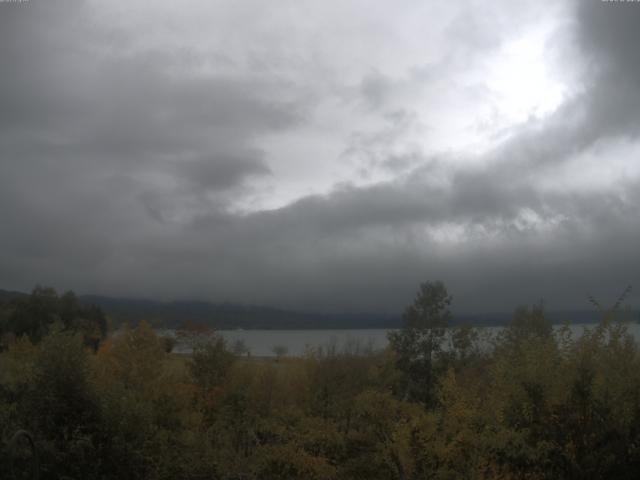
[{"x": 121, "y": 168}]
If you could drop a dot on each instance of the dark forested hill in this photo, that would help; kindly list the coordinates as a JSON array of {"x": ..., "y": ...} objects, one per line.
[
  {"x": 230, "y": 316},
  {"x": 6, "y": 295}
]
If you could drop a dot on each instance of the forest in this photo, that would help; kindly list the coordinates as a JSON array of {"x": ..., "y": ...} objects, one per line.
[{"x": 440, "y": 402}]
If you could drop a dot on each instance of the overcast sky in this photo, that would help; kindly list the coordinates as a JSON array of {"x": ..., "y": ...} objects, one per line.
[{"x": 322, "y": 155}]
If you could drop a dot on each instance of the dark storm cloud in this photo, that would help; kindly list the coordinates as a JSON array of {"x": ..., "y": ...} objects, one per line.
[
  {"x": 609, "y": 33},
  {"x": 223, "y": 170},
  {"x": 76, "y": 111},
  {"x": 369, "y": 248},
  {"x": 97, "y": 145},
  {"x": 64, "y": 86},
  {"x": 119, "y": 167}
]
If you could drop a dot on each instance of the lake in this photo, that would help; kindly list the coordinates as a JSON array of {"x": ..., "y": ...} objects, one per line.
[{"x": 261, "y": 342}]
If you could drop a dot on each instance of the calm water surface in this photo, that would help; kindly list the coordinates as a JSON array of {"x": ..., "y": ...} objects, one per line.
[{"x": 297, "y": 342}]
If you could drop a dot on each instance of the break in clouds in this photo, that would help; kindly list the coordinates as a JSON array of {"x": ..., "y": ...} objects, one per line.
[{"x": 321, "y": 155}]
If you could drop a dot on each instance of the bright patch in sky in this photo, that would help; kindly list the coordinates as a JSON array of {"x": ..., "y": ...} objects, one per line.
[{"x": 521, "y": 80}]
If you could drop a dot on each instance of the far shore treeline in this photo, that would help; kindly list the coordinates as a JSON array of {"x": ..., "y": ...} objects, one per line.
[
  {"x": 229, "y": 316},
  {"x": 439, "y": 402}
]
